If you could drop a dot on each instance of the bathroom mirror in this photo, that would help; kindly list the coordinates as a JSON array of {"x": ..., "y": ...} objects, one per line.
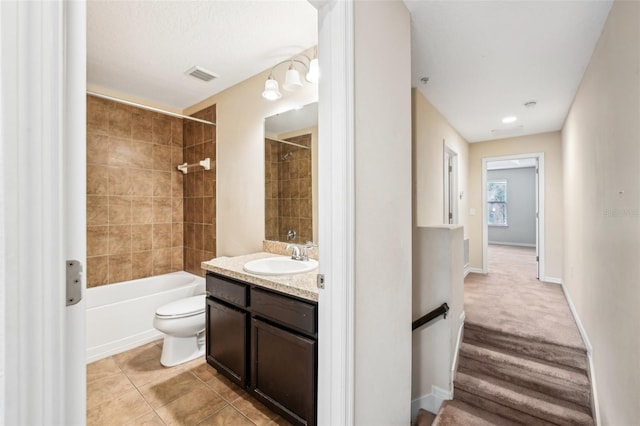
[{"x": 291, "y": 141}]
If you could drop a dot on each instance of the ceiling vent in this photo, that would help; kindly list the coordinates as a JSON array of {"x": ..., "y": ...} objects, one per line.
[{"x": 201, "y": 74}]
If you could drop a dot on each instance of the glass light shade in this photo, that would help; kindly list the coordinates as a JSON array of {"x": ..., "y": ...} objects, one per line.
[
  {"x": 314, "y": 71},
  {"x": 292, "y": 80},
  {"x": 271, "y": 90}
]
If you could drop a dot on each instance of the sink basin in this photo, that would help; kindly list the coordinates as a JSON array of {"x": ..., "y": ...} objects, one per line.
[{"x": 280, "y": 266}]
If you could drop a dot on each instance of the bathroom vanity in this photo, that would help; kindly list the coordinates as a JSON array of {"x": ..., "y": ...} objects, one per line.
[{"x": 262, "y": 334}]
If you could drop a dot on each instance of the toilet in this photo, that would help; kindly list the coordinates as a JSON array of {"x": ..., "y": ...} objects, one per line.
[{"x": 183, "y": 323}]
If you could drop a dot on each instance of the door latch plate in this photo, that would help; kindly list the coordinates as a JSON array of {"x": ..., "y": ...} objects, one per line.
[{"x": 74, "y": 282}]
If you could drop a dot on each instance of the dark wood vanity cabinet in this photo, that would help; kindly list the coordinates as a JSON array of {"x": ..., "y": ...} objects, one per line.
[{"x": 266, "y": 342}]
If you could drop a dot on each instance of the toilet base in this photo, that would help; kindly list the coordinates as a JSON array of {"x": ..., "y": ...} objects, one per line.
[{"x": 178, "y": 350}]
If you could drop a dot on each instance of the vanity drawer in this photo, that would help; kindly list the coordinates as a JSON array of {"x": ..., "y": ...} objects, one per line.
[
  {"x": 227, "y": 290},
  {"x": 289, "y": 312}
]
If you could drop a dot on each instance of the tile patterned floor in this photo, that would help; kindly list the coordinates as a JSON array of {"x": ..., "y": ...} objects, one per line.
[{"x": 132, "y": 388}]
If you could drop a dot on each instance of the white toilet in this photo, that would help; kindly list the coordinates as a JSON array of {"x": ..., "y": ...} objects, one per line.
[{"x": 183, "y": 323}]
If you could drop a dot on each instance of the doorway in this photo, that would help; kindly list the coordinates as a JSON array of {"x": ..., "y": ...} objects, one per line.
[
  {"x": 516, "y": 222},
  {"x": 450, "y": 179}
]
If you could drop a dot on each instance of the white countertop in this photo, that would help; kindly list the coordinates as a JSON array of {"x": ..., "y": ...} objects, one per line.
[{"x": 299, "y": 285}]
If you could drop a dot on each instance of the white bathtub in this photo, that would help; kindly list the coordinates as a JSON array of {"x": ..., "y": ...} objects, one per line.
[{"x": 120, "y": 316}]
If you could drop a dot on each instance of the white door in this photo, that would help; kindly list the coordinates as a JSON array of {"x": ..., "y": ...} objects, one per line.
[
  {"x": 537, "y": 178},
  {"x": 42, "y": 83}
]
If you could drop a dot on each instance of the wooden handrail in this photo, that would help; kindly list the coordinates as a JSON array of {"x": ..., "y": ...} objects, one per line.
[{"x": 430, "y": 316}]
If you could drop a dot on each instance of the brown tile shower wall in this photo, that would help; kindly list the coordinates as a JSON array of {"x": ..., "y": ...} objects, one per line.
[
  {"x": 288, "y": 190},
  {"x": 199, "y": 192},
  {"x": 134, "y": 193}
]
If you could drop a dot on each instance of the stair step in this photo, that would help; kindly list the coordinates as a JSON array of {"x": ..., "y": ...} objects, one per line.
[
  {"x": 457, "y": 413},
  {"x": 549, "y": 352},
  {"x": 424, "y": 418},
  {"x": 526, "y": 401},
  {"x": 564, "y": 383}
]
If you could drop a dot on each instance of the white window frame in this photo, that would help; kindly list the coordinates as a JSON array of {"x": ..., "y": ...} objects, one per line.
[{"x": 505, "y": 202}]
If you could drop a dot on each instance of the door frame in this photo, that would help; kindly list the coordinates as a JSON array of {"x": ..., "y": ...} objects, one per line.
[
  {"x": 540, "y": 229},
  {"x": 450, "y": 187},
  {"x": 43, "y": 210},
  {"x": 47, "y": 390}
]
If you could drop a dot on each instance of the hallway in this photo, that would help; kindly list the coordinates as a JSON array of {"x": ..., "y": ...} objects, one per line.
[{"x": 510, "y": 299}]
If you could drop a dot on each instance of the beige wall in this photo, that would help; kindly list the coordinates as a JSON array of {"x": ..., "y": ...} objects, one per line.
[
  {"x": 550, "y": 145},
  {"x": 241, "y": 111},
  {"x": 601, "y": 151},
  {"x": 382, "y": 61},
  {"x": 430, "y": 129}
]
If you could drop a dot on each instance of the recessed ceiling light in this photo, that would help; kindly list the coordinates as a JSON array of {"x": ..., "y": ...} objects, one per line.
[
  {"x": 530, "y": 104},
  {"x": 424, "y": 80},
  {"x": 509, "y": 119}
]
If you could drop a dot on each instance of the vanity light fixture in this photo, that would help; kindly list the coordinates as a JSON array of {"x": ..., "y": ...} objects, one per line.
[
  {"x": 271, "y": 90},
  {"x": 510, "y": 119},
  {"x": 292, "y": 80}
]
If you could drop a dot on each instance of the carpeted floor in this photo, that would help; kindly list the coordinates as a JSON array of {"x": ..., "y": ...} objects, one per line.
[
  {"x": 510, "y": 299},
  {"x": 522, "y": 360}
]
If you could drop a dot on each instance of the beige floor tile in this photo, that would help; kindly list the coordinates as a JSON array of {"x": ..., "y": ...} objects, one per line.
[
  {"x": 107, "y": 388},
  {"x": 150, "y": 419},
  {"x": 228, "y": 416},
  {"x": 192, "y": 408},
  {"x": 150, "y": 350},
  {"x": 201, "y": 369},
  {"x": 254, "y": 410},
  {"x": 101, "y": 369},
  {"x": 164, "y": 391},
  {"x": 145, "y": 369},
  {"x": 279, "y": 421},
  {"x": 227, "y": 389},
  {"x": 130, "y": 405}
]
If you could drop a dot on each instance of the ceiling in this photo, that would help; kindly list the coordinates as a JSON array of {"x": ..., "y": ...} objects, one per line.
[
  {"x": 142, "y": 49},
  {"x": 483, "y": 59}
]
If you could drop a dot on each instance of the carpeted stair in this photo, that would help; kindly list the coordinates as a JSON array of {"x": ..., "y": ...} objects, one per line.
[{"x": 505, "y": 379}]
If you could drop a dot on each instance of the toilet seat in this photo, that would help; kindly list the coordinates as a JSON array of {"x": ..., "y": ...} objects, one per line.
[{"x": 182, "y": 308}]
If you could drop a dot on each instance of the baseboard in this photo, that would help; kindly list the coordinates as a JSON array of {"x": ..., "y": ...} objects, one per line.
[
  {"x": 552, "y": 280},
  {"x": 454, "y": 364},
  {"x": 467, "y": 270},
  {"x": 500, "y": 243},
  {"x": 430, "y": 402},
  {"x": 475, "y": 271},
  {"x": 587, "y": 343},
  {"x": 96, "y": 353}
]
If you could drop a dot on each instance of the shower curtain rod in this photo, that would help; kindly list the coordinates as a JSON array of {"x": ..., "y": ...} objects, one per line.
[
  {"x": 287, "y": 142},
  {"x": 147, "y": 107}
]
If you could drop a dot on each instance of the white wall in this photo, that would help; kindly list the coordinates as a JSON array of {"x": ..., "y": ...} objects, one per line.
[
  {"x": 383, "y": 213},
  {"x": 521, "y": 207},
  {"x": 240, "y": 112},
  {"x": 437, "y": 278},
  {"x": 601, "y": 152},
  {"x": 550, "y": 145}
]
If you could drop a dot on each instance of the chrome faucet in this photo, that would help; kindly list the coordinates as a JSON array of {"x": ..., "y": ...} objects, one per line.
[{"x": 295, "y": 252}]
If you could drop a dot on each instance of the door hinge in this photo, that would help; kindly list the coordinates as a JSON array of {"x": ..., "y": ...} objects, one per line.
[
  {"x": 537, "y": 258},
  {"x": 320, "y": 281},
  {"x": 74, "y": 282},
  {"x": 450, "y": 215},
  {"x": 450, "y": 168}
]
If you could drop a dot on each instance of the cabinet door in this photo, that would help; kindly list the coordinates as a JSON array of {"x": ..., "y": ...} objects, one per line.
[
  {"x": 283, "y": 371},
  {"x": 227, "y": 340}
]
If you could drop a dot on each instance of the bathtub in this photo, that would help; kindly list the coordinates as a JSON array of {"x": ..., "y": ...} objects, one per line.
[{"x": 120, "y": 316}]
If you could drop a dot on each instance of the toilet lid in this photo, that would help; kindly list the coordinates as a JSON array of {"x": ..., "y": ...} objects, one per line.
[{"x": 184, "y": 307}]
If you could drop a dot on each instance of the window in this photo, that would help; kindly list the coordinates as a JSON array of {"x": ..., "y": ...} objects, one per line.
[{"x": 497, "y": 203}]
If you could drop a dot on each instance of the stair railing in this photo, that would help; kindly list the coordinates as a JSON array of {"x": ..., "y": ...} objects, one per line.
[{"x": 430, "y": 316}]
